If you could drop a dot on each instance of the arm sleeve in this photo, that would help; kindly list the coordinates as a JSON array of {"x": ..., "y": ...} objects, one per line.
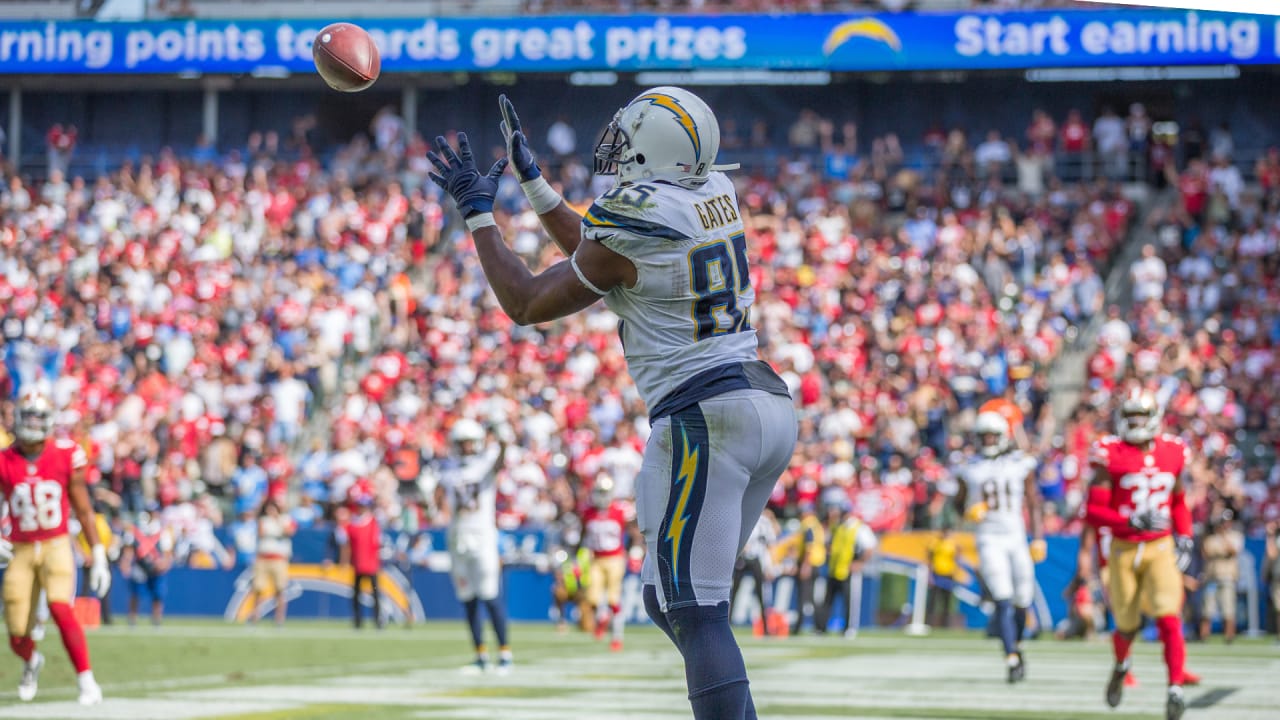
[
  {"x": 1180, "y": 514},
  {"x": 1099, "y": 513}
]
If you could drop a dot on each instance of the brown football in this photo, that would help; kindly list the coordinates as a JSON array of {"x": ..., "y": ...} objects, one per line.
[{"x": 346, "y": 57}]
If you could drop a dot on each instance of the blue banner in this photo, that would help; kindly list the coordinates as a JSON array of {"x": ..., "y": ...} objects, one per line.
[{"x": 1033, "y": 39}]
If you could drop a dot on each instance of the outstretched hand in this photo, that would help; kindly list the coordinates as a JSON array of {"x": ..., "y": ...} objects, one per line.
[
  {"x": 522, "y": 160},
  {"x": 474, "y": 193}
]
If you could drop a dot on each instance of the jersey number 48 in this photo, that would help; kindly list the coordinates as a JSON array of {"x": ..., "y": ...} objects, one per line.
[{"x": 37, "y": 506}]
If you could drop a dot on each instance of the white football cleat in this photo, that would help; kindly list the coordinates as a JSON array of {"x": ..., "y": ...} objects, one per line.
[
  {"x": 90, "y": 693},
  {"x": 30, "y": 681}
]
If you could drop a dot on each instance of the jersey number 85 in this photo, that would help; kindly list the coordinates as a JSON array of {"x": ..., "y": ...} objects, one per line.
[{"x": 717, "y": 274}]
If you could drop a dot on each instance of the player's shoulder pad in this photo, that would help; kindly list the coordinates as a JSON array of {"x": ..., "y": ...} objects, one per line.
[
  {"x": 64, "y": 444},
  {"x": 633, "y": 210},
  {"x": 1100, "y": 449}
]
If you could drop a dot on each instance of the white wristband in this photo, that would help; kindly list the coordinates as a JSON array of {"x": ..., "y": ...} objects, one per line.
[
  {"x": 475, "y": 222},
  {"x": 542, "y": 197}
]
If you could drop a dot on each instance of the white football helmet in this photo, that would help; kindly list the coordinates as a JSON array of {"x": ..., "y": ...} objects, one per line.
[
  {"x": 992, "y": 430},
  {"x": 1139, "y": 417},
  {"x": 466, "y": 431},
  {"x": 666, "y": 133},
  {"x": 33, "y": 416},
  {"x": 602, "y": 492}
]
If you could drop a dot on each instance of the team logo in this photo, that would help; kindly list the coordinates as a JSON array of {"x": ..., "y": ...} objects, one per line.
[
  {"x": 870, "y": 28},
  {"x": 670, "y": 104},
  {"x": 399, "y": 601}
]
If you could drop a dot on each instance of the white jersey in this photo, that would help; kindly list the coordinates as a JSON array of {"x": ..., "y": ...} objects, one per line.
[
  {"x": 1000, "y": 482},
  {"x": 685, "y": 325},
  {"x": 473, "y": 493}
]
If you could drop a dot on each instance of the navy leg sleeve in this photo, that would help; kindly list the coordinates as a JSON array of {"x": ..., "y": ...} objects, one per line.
[
  {"x": 654, "y": 610},
  {"x": 472, "y": 607},
  {"x": 713, "y": 666},
  {"x": 1007, "y": 626},
  {"x": 498, "y": 616}
]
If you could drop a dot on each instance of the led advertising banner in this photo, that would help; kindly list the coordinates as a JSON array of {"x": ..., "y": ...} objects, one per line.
[{"x": 836, "y": 42}]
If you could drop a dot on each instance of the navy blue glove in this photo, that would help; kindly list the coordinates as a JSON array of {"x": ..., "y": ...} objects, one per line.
[
  {"x": 459, "y": 177},
  {"x": 522, "y": 160}
]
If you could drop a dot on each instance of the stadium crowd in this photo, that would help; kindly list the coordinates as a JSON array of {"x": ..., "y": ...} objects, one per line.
[{"x": 228, "y": 328}]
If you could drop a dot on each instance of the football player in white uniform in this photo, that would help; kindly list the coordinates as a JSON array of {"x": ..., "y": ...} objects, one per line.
[
  {"x": 993, "y": 490},
  {"x": 470, "y": 482},
  {"x": 667, "y": 251}
]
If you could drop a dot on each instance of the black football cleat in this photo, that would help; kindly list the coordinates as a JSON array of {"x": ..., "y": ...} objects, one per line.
[
  {"x": 1115, "y": 687},
  {"x": 1176, "y": 703},
  {"x": 1017, "y": 669}
]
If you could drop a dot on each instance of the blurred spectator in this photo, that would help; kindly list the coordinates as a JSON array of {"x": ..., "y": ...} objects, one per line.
[
  {"x": 271, "y": 565},
  {"x": 1149, "y": 274},
  {"x": 561, "y": 138},
  {"x": 363, "y": 552},
  {"x": 145, "y": 559},
  {"x": 387, "y": 128},
  {"x": 1042, "y": 134},
  {"x": 1111, "y": 141},
  {"x": 1271, "y": 568},
  {"x": 1221, "y": 143},
  {"x": 1138, "y": 129},
  {"x": 289, "y": 396},
  {"x": 1221, "y": 550},
  {"x": 993, "y": 154},
  {"x": 943, "y": 552},
  {"x": 805, "y": 132},
  {"x": 810, "y": 555},
  {"x": 61, "y": 144},
  {"x": 1225, "y": 178},
  {"x": 1074, "y": 134},
  {"x": 756, "y": 561}
]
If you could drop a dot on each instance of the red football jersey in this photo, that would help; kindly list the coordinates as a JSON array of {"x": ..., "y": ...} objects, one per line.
[
  {"x": 36, "y": 489},
  {"x": 1141, "y": 479},
  {"x": 365, "y": 538},
  {"x": 604, "y": 530}
]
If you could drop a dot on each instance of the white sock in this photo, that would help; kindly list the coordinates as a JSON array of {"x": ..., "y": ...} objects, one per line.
[{"x": 86, "y": 677}]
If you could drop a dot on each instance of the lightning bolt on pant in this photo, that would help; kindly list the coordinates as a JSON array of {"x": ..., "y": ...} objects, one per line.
[{"x": 707, "y": 474}]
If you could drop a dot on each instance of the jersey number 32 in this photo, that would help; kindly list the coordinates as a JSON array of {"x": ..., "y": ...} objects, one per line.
[{"x": 1148, "y": 493}]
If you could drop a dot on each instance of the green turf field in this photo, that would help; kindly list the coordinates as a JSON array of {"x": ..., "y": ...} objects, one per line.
[{"x": 319, "y": 671}]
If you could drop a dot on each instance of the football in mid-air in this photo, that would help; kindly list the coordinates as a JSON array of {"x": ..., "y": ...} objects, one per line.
[{"x": 346, "y": 57}]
